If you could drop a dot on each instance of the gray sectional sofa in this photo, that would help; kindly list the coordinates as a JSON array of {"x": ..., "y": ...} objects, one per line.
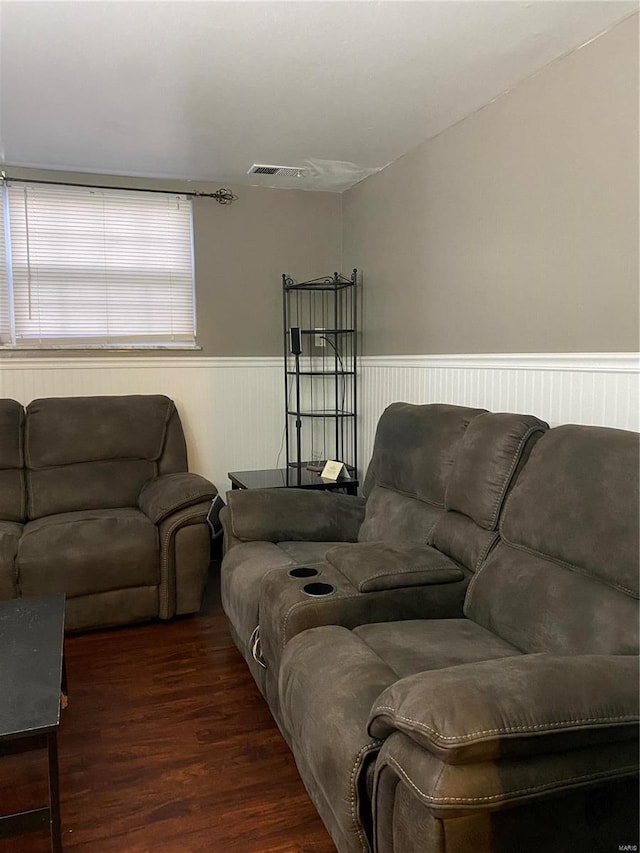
[
  {"x": 452, "y": 657},
  {"x": 96, "y": 501}
]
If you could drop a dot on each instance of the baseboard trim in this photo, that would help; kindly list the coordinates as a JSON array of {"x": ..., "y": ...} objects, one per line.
[{"x": 142, "y": 362}]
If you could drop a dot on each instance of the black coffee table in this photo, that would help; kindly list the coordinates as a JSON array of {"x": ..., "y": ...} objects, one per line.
[{"x": 31, "y": 678}]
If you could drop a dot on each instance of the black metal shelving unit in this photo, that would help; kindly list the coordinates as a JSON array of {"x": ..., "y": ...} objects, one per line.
[{"x": 320, "y": 371}]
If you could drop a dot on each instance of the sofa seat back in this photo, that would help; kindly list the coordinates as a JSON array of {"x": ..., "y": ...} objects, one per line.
[
  {"x": 490, "y": 455},
  {"x": 97, "y": 452},
  {"x": 564, "y": 578},
  {"x": 413, "y": 455},
  {"x": 88, "y": 552},
  {"x": 12, "y": 484}
]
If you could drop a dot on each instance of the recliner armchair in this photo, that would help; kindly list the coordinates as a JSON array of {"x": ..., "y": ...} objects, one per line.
[{"x": 97, "y": 502}]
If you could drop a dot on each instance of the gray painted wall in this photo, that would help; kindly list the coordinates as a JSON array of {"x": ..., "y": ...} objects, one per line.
[
  {"x": 517, "y": 229},
  {"x": 242, "y": 251}
]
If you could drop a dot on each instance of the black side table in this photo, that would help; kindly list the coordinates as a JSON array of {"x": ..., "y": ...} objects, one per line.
[
  {"x": 32, "y": 675},
  {"x": 287, "y": 478}
]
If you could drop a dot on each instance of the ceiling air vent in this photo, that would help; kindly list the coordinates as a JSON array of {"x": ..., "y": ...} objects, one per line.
[{"x": 280, "y": 171}]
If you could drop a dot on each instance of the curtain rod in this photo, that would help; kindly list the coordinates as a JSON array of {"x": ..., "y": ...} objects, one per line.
[{"x": 222, "y": 196}]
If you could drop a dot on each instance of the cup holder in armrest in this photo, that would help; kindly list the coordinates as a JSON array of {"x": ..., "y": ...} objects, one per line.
[
  {"x": 303, "y": 572},
  {"x": 318, "y": 589}
]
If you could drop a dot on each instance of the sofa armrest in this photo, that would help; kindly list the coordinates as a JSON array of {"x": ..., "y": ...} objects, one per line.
[
  {"x": 515, "y": 706},
  {"x": 169, "y": 493},
  {"x": 185, "y": 551},
  {"x": 281, "y": 515},
  {"x": 374, "y": 566}
]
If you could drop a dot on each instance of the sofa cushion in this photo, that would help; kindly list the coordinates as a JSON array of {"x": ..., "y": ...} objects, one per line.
[
  {"x": 374, "y": 566},
  {"x": 489, "y": 452},
  {"x": 10, "y": 533},
  {"x": 12, "y": 488},
  {"x": 415, "y": 448},
  {"x": 68, "y": 430},
  {"x": 565, "y": 578},
  {"x": 416, "y": 645},
  {"x": 397, "y": 519},
  {"x": 87, "y": 486},
  {"x": 577, "y": 501},
  {"x": 490, "y": 456},
  {"x": 460, "y": 537},
  {"x": 539, "y": 605},
  {"x": 88, "y": 552}
]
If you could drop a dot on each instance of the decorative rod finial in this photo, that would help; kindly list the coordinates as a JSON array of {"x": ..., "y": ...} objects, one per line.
[{"x": 222, "y": 196}]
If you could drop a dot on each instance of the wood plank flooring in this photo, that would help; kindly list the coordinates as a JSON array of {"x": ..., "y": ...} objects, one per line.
[{"x": 166, "y": 746}]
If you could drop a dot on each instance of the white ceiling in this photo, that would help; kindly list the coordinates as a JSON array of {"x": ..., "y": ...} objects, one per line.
[{"x": 202, "y": 90}]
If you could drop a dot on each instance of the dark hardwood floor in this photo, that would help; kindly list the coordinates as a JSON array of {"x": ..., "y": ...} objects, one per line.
[{"x": 166, "y": 746}]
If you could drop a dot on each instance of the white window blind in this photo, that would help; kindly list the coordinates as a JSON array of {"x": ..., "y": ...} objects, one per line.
[{"x": 90, "y": 267}]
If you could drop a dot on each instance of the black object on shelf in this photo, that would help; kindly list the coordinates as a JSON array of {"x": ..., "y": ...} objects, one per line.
[{"x": 320, "y": 371}]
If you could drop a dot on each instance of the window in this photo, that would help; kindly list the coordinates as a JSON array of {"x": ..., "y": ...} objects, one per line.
[{"x": 82, "y": 267}]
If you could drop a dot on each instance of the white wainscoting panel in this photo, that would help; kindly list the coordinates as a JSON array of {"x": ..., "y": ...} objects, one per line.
[
  {"x": 601, "y": 389},
  {"x": 232, "y": 408}
]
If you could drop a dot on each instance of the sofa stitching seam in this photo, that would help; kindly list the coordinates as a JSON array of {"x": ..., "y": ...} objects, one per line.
[
  {"x": 505, "y": 730},
  {"x": 474, "y": 580},
  {"x": 571, "y": 566},
  {"x": 507, "y": 479},
  {"x": 428, "y": 539},
  {"x": 184, "y": 503},
  {"x": 415, "y": 497},
  {"x": 505, "y": 794},
  {"x": 87, "y": 515},
  {"x": 483, "y": 554}
]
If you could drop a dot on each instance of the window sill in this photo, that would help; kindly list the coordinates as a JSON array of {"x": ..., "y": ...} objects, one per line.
[{"x": 101, "y": 349}]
